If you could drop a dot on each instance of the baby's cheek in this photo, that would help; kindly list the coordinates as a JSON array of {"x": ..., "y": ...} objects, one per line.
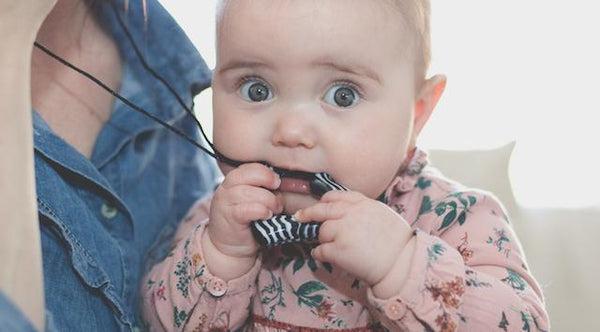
[
  {"x": 375, "y": 175},
  {"x": 375, "y": 188}
]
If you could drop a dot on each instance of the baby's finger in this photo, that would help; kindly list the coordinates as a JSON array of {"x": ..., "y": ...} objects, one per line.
[
  {"x": 250, "y": 194},
  {"x": 247, "y": 212},
  {"x": 346, "y": 196},
  {"x": 325, "y": 252},
  {"x": 328, "y": 231},
  {"x": 253, "y": 174},
  {"x": 322, "y": 212}
]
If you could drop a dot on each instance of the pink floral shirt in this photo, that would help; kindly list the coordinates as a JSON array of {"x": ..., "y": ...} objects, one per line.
[{"x": 468, "y": 273}]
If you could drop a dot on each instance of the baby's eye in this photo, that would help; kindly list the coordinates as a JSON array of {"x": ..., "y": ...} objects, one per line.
[
  {"x": 342, "y": 95},
  {"x": 254, "y": 90}
]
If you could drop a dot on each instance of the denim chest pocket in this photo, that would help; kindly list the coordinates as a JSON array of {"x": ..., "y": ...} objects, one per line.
[{"x": 94, "y": 256}]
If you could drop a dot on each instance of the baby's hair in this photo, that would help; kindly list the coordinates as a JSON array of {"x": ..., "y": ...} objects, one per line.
[{"x": 416, "y": 14}]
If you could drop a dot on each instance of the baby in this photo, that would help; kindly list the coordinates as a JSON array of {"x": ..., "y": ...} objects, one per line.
[{"x": 337, "y": 86}]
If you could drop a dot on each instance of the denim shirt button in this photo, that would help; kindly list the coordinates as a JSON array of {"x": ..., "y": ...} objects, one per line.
[
  {"x": 141, "y": 140},
  {"x": 108, "y": 211}
]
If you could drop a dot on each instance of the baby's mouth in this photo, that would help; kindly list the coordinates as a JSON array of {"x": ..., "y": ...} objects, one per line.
[
  {"x": 294, "y": 185},
  {"x": 302, "y": 182}
]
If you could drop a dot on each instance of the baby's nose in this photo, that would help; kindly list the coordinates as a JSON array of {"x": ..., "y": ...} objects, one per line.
[{"x": 294, "y": 129}]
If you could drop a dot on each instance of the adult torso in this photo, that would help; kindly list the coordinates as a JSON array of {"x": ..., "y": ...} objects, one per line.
[{"x": 107, "y": 214}]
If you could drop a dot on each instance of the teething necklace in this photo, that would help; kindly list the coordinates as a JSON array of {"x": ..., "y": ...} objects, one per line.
[
  {"x": 275, "y": 231},
  {"x": 283, "y": 228}
]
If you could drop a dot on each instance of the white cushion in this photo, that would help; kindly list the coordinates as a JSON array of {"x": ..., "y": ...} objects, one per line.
[
  {"x": 483, "y": 169},
  {"x": 561, "y": 245}
]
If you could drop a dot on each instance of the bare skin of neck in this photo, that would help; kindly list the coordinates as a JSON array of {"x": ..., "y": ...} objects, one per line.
[{"x": 75, "y": 108}]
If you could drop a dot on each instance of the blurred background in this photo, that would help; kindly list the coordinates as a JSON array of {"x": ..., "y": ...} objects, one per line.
[{"x": 518, "y": 71}]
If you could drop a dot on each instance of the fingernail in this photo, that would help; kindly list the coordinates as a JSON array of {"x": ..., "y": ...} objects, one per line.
[
  {"x": 297, "y": 215},
  {"x": 277, "y": 181}
]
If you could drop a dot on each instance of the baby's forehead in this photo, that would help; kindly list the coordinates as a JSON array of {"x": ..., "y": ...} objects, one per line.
[
  {"x": 373, "y": 11},
  {"x": 325, "y": 28}
]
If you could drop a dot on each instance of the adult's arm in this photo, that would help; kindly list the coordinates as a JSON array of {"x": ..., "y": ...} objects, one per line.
[{"x": 20, "y": 249}]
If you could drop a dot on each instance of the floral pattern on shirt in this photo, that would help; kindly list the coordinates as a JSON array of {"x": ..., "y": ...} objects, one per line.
[{"x": 468, "y": 273}]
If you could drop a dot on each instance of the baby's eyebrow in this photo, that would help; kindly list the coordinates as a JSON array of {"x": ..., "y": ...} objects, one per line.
[
  {"x": 238, "y": 64},
  {"x": 350, "y": 68}
]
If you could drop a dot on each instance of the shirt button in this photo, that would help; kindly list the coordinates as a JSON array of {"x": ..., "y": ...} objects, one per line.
[
  {"x": 141, "y": 141},
  {"x": 216, "y": 286},
  {"x": 394, "y": 309},
  {"x": 108, "y": 211}
]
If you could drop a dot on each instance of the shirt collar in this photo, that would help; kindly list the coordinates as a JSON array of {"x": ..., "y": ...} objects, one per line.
[
  {"x": 409, "y": 174},
  {"x": 163, "y": 44},
  {"x": 55, "y": 151},
  {"x": 167, "y": 51}
]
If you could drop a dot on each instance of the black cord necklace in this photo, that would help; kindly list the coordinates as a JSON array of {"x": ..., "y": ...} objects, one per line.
[
  {"x": 215, "y": 153},
  {"x": 279, "y": 229}
]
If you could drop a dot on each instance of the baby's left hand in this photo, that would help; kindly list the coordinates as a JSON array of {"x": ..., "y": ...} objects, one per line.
[{"x": 358, "y": 234}]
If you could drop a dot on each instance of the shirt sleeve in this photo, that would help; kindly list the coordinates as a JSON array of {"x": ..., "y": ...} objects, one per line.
[
  {"x": 180, "y": 293},
  {"x": 13, "y": 319},
  {"x": 469, "y": 273}
]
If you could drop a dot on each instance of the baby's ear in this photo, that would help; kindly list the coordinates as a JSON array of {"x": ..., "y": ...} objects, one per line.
[{"x": 427, "y": 98}]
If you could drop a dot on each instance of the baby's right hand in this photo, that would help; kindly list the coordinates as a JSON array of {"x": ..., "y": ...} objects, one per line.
[{"x": 243, "y": 197}]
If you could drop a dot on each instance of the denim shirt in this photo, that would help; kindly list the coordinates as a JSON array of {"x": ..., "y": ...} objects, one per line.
[{"x": 104, "y": 220}]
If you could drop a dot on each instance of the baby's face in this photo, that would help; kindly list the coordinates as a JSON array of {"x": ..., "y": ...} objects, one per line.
[{"x": 318, "y": 86}]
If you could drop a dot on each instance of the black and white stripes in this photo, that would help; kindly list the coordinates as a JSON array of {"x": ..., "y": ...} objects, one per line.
[
  {"x": 282, "y": 229},
  {"x": 322, "y": 183}
]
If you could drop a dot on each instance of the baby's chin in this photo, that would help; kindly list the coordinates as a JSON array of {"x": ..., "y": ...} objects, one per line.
[{"x": 293, "y": 202}]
